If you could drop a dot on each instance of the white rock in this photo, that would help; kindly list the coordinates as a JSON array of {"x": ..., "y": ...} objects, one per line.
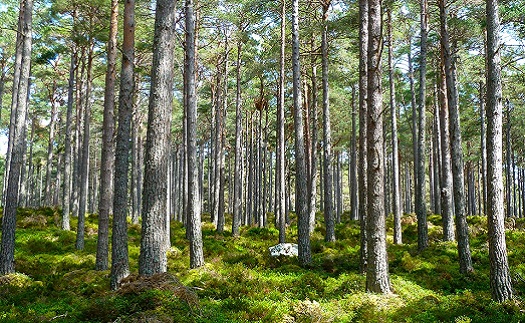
[{"x": 284, "y": 249}]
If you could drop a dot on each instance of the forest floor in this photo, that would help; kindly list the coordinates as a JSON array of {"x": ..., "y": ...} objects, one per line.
[{"x": 242, "y": 283}]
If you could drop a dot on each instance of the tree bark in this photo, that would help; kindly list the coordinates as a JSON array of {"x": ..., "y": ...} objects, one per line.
[
  {"x": 119, "y": 239},
  {"x": 312, "y": 190},
  {"x": 305, "y": 256},
  {"x": 500, "y": 280},
  {"x": 7, "y": 243},
  {"x": 395, "y": 154},
  {"x": 447, "y": 203},
  {"x": 107, "y": 158},
  {"x": 352, "y": 169},
  {"x": 327, "y": 137},
  {"x": 237, "y": 210},
  {"x": 456, "y": 150},
  {"x": 84, "y": 155},
  {"x": 421, "y": 208},
  {"x": 363, "y": 110},
  {"x": 152, "y": 257},
  {"x": 483, "y": 147},
  {"x": 281, "y": 178},
  {"x": 194, "y": 208},
  {"x": 377, "y": 278},
  {"x": 66, "y": 189}
]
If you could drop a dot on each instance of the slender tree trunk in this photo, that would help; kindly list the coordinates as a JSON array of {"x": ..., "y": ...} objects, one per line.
[
  {"x": 377, "y": 278},
  {"x": 447, "y": 203},
  {"x": 14, "y": 94},
  {"x": 51, "y": 141},
  {"x": 237, "y": 210},
  {"x": 222, "y": 139},
  {"x": 313, "y": 153},
  {"x": 305, "y": 256},
  {"x": 395, "y": 154},
  {"x": 352, "y": 169},
  {"x": 415, "y": 132},
  {"x": 421, "y": 208},
  {"x": 152, "y": 257},
  {"x": 106, "y": 162},
  {"x": 500, "y": 281},
  {"x": 363, "y": 110},
  {"x": 119, "y": 239},
  {"x": 281, "y": 176},
  {"x": 483, "y": 146},
  {"x": 84, "y": 157},
  {"x": 7, "y": 250},
  {"x": 436, "y": 151},
  {"x": 408, "y": 185},
  {"x": 465, "y": 261},
  {"x": 508, "y": 177},
  {"x": 66, "y": 189},
  {"x": 327, "y": 136},
  {"x": 194, "y": 209}
]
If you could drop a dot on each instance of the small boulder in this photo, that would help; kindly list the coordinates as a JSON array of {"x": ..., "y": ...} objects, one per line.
[{"x": 284, "y": 249}]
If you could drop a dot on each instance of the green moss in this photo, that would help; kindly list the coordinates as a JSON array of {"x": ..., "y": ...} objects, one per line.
[{"x": 242, "y": 283}]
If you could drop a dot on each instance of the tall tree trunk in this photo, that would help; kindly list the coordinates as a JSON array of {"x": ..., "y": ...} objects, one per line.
[
  {"x": 377, "y": 278},
  {"x": 421, "y": 208},
  {"x": 194, "y": 208},
  {"x": 483, "y": 147},
  {"x": 84, "y": 156},
  {"x": 408, "y": 185},
  {"x": 436, "y": 152},
  {"x": 152, "y": 257},
  {"x": 312, "y": 190},
  {"x": 222, "y": 139},
  {"x": 415, "y": 132},
  {"x": 352, "y": 169},
  {"x": 395, "y": 154},
  {"x": 119, "y": 239},
  {"x": 281, "y": 176},
  {"x": 305, "y": 256},
  {"x": 19, "y": 53},
  {"x": 447, "y": 203},
  {"x": 50, "y": 144},
  {"x": 7, "y": 250},
  {"x": 508, "y": 176},
  {"x": 327, "y": 136},
  {"x": 66, "y": 189},
  {"x": 500, "y": 281},
  {"x": 237, "y": 210},
  {"x": 363, "y": 110},
  {"x": 106, "y": 162},
  {"x": 465, "y": 261}
]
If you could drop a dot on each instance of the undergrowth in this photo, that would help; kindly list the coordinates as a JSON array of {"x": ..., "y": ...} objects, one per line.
[{"x": 242, "y": 283}]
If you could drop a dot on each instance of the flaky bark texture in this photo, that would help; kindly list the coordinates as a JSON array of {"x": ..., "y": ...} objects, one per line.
[
  {"x": 281, "y": 179},
  {"x": 7, "y": 244},
  {"x": 66, "y": 189},
  {"x": 119, "y": 253},
  {"x": 396, "y": 192},
  {"x": 363, "y": 108},
  {"x": 106, "y": 162},
  {"x": 305, "y": 256},
  {"x": 152, "y": 258},
  {"x": 327, "y": 139},
  {"x": 237, "y": 189},
  {"x": 194, "y": 207},
  {"x": 377, "y": 278},
  {"x": 447, "y": 204},
  {"x": 500, "y": 281},
  {"x": 420, "y": 194},
  {"x": 83, "y": 162},
  {"x": 456, "y": 150}
]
